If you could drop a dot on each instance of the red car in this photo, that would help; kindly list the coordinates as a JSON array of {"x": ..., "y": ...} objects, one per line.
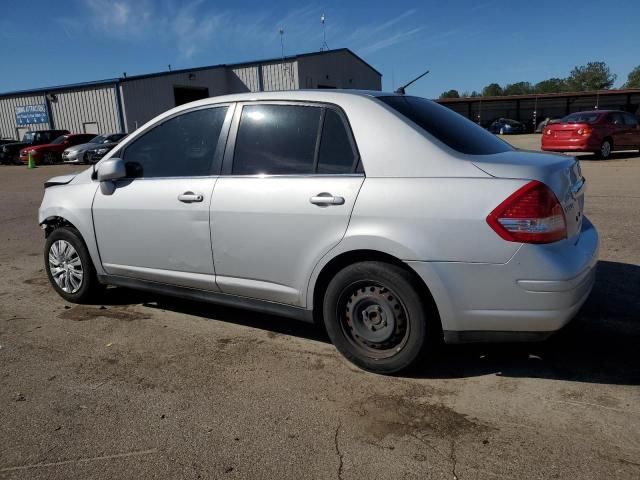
[
  {"x": 52, "y": 152},
  {"x": 597, "y": 131}
]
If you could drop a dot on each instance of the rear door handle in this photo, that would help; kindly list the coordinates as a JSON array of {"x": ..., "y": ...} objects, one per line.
[
  {"x": 324, "y": 199},
  {"x": 190, "y": 197}
]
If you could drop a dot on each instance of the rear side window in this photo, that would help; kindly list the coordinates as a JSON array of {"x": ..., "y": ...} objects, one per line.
[
  {"x": 616, "y": 119},
  {"x": 449, "y": 127},
  {"x": 337, "y": 153},
  {"x": 630, "y": 119},
  {"x": 581, "y": 117},
  {"x": 276, "y": 140},
  {"x": 183, "y": 146}
]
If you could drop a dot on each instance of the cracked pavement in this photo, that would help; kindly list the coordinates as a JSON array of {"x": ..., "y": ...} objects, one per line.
[{"x": 152, "y": 387}]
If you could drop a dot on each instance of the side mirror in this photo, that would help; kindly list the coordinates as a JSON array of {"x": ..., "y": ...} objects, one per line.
[{"x": 111, "y": 169}]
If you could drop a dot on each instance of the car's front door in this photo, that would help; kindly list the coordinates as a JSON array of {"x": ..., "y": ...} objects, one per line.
[
  {"x": 154, "y": 225},
  {"x": 633, "y": 132},
  {"x": 289, "y": 184},
  {"x": 618, "y": 130}
]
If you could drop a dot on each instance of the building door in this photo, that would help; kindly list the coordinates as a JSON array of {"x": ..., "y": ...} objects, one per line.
[
  {"x": 91, "y": 127},
  {"x": 184, "y": 95}
]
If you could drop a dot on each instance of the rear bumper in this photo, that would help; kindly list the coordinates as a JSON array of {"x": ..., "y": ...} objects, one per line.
[
  {"x": 537, "y": 292},
  {"x": 569, "y": 144}
]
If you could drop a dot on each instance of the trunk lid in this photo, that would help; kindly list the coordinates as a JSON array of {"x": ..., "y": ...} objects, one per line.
[{"x": 561, "y": 173}]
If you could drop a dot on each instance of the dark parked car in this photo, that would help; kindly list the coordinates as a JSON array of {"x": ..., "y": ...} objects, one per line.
[
  {"x": 50, "y": 153},
  {"x": 597, "y": 131},
  {"x": 505, "y": 126},
  {"x": 94, "y": 154},
  {"x": 10, "y": 153}
]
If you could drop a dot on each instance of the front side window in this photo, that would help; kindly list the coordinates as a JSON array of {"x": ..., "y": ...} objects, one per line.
[
  {"x": 447, "y": 126},
  {"x": 59, "y": 140},
  {"x": 276, "y": 140},
  {"x": 183, "y": 146},
  {"x": 337, "y": 153}
]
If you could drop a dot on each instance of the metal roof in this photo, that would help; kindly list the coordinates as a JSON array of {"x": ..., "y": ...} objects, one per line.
[
  {"x": 111, "y": 81},
  {"x": 533, "y": 96}
]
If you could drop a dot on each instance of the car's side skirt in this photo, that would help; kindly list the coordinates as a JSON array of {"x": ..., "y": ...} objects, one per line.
[{"x": 262, "y": 306}]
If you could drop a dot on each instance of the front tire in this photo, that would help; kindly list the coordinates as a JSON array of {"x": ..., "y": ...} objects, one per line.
[
  {"x": 69, "y": 266},
  {"x": 376, "y": 318},
  {"x": 604, "y": 153},
  {"x": 49, "y": 158}
]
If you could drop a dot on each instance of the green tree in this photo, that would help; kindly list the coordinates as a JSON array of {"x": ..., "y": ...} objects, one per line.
[
  {"x": 492, "y": 90},
  {"x": 519, "y": 88},
  {"x": 475, "y": 94},
  {"x": 633, "y": 80},
  {"x": 592, "y": 76},
  {"x": 450, "y": 94},
  {"x": 552, "y": 85}
]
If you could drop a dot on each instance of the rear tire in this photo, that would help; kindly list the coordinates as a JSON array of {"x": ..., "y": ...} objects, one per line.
[
  {"x": 376, "y": 318},
  {"x": 604, "y": 153},
  {"x": 69, "y": 266}
]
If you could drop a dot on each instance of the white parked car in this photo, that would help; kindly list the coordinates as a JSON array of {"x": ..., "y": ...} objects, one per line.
[{"x": 390, "y": 219}]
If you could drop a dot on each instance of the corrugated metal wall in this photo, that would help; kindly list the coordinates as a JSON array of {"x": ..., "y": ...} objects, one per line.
[
  {"x": 144, "y": 98},
  {"x": 8, "y": 114},
  {"x": 72, "y": 109},
  {"x": 244, "y": 79},
  {"x": 338, "y": 69},
  {"x": 278, "y": 76}
]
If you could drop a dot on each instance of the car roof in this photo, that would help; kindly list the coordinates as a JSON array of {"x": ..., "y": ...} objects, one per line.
[
  {"x": 597, "y": 111},
  {"x": 318, "y": 95}
]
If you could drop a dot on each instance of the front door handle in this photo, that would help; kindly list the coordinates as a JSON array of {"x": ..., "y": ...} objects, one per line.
[
  {"x": 190, "y": 197},
  {"x": 324, "y": 199}
]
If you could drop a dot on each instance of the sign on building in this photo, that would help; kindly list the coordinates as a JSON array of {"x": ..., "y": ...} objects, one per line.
[{"x": 30, "y": 114}]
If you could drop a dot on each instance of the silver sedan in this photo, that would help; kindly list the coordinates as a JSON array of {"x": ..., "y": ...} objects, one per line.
[
  {"x": 391, "y": 220},
  {"x": 78, "y": 153}
]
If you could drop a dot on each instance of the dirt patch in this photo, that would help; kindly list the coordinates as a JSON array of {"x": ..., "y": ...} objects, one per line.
[
  {"x": 413, "y": 416},
  {"x": 82, "y": 313}
]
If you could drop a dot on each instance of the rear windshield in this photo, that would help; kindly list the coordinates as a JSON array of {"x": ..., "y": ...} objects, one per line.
[
  {"x": 579, "y": 117},
  {"x": 28, "y": 137},
  {"x": 449, "y": 127},
  {"x": 58, "y": 140}
]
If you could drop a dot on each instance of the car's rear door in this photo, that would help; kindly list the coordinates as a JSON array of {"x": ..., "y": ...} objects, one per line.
[
  {"x": 633, "y": 130},
  {"x": 154, "y": 225},
  {"x": 288, "y": 186}
]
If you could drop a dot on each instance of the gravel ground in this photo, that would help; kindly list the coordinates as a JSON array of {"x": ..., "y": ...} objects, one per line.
[{"x": 149, "y": 387}]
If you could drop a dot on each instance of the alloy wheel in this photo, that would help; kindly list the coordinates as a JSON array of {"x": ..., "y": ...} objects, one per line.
[{"x": 65, "y": 266}]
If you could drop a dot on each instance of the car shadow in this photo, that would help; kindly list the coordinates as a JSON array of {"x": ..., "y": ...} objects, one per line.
[
  {"x": 590, "y": 157},
  {"x": 601, "y": 345}
]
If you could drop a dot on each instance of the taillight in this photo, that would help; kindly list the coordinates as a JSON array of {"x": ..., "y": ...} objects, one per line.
[
  {"x": 532, "y": 214},
  {"x": 584, "y": 131},
  {"x": 548, "y": 132}
]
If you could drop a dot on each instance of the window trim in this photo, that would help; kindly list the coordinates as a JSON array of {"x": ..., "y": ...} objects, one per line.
[
  {"x": 215, "y": 164},
  {"x": 227, "y": 163}
]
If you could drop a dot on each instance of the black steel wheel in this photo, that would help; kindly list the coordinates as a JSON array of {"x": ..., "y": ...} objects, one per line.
[{"x": 376, "y": 318}]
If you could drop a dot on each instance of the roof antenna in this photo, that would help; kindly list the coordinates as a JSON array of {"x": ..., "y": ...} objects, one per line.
[
  {"x": 401, "y": 90},
  {"x": 281, "y": 31},
  {"x": 324, "y": 34},
  {"x": 169, "y": 67}
]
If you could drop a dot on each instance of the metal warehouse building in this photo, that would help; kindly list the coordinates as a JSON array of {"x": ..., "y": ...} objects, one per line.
[
  {"x": 484, "y": 110},
  {"x": 123, "y": 104}
]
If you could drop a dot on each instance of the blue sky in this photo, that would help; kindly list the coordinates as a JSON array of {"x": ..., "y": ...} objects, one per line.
[{"x": 466, "y": 44}]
